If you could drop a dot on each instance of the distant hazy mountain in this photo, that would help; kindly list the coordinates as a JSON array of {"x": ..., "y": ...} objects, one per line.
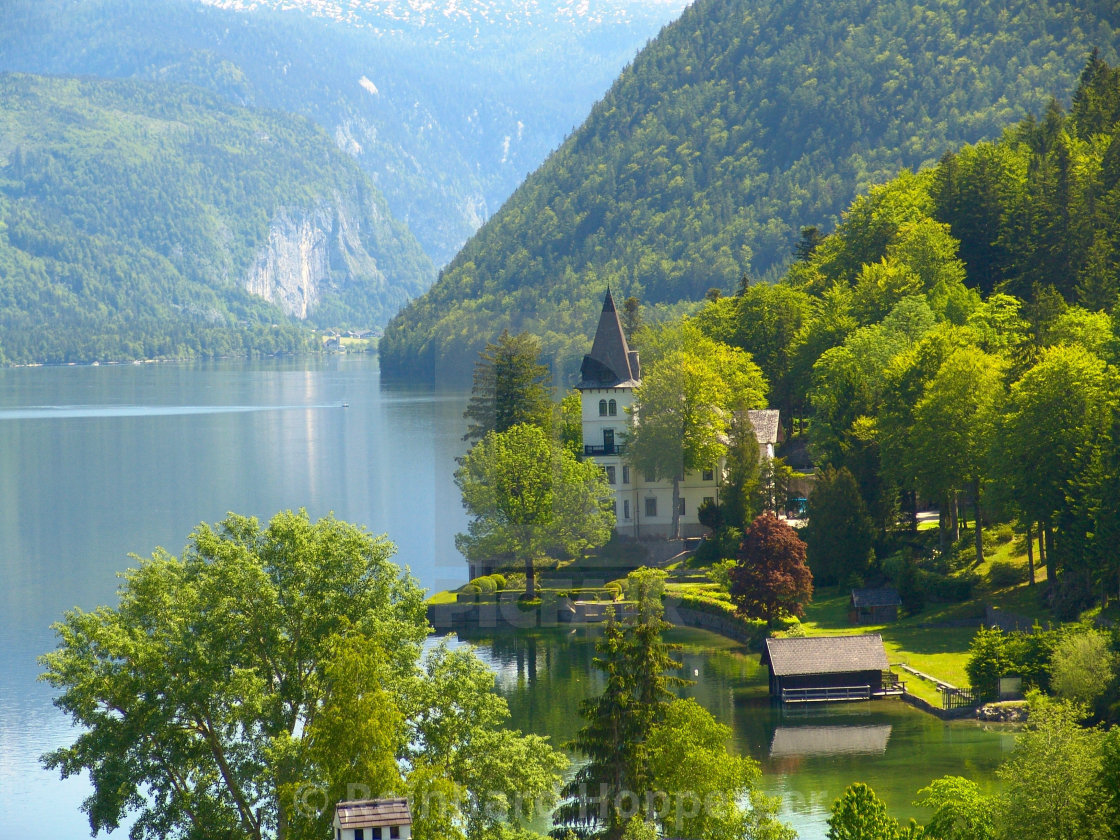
[
  {"x": 142, "y": 220},
  {"x": 742, "y": 122},
  {"x": 447, "y": 107}
]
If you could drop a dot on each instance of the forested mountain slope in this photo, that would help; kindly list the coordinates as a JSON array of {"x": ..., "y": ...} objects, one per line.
[
  {"x": 142, "y": 221},
  {"x": 956, "y": 340},
  {"x": 445, "y": 108},
  {"x": 742, "y": 122}
]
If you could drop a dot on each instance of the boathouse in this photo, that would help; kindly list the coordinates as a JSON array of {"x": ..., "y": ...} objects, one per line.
[
  {"x": 874, "y": 606},
  {"x": 372, "y": 819},
  {"x": 827, "y": 668}
]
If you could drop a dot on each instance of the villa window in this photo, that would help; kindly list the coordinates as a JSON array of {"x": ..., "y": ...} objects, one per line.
[
  {"x": 625, "y": 508},
  {"x": 625, "y": 474},
  {"x": 602, "y": 408},
  {"x": 612, "y": 408},
  {"x": 394, "y": 832},
  {"x": 681, "y": 511},
  {"x": 359, "y": 834},
  {"x": 610, "y": 475},
  {"x": 709, "y": 475},
  {"x": 651, "y": 506}
]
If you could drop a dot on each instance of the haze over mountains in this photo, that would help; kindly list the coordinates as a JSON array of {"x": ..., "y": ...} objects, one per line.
[{"x": 441, "y": 135}]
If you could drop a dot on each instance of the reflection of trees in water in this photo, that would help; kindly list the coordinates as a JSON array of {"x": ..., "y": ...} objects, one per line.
[{"x": 545, "y": 674}]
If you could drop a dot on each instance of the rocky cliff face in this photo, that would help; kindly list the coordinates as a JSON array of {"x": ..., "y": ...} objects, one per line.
[{"x": 308, "y": 253}]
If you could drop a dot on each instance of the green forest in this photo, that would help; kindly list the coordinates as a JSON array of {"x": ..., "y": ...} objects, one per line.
[
  {"x": 954, "y": 341},
  {"x": 130, "y": 215},
  {"x": 740, "y": 124}
]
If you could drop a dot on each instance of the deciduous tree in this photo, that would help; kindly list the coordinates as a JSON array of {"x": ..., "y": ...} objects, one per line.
[
  {"x": 960, "y": 810},
  {"x": 770, "y": 578},
  {"x": 683, "y": 407},
  {"x": 861, "y": 815},
  {"x": 1050, "y": 779},
  {"x": 241, "y": 688},
  {"x": 528, "y": 496}
]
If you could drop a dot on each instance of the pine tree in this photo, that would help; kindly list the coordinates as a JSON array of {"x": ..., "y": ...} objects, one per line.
[
  {"x": 510, "y": 387},
  {"x": 635, "y": 659}
]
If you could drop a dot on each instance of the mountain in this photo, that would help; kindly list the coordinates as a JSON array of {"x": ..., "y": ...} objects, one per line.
[
  {"x": 744, "y": 121},
  {"x": 140, "y": 220},
  {"x": 445, "y": 105}
]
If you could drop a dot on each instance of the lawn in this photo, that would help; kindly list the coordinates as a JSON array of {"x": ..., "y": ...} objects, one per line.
[{"x": 940, "y": 652}]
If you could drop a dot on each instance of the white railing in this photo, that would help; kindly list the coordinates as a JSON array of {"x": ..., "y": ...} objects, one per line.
[{"x": 826, "y": 695}]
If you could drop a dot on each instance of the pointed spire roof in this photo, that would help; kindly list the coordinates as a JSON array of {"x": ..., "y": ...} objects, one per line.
[{"x": 611, "y": 362}]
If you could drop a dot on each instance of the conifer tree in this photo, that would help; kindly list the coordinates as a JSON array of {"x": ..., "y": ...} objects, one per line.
[
  {"x": 510, "y": 387},
  {"x": 634, "y": 659}
]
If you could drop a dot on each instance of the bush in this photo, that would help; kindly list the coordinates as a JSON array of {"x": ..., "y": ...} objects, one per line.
[
  {"x": 528, "y": 604},
  {"x": 468, "y": 593},
  {"x": 485, "y": 584},
  {"x": 1005, "y": 573},
  {"x": 499, "y": 580}
]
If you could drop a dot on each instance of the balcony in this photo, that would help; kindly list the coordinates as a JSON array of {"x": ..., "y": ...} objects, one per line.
[{"x": 605, "y": 449}]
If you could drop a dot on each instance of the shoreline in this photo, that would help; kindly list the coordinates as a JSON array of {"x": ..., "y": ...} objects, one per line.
[{"x": 506, "y": 615}]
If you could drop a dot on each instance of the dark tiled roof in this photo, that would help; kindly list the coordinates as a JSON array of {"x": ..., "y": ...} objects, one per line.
[
  {"x": 830, "y": 740},
  {"x": 369, "y": 813},
  {"x": 765, "y": 422},
  {"x": 611, "y": 362},
  {"x": 885, "y": 597},
  {"x": 825, "y": 655}
]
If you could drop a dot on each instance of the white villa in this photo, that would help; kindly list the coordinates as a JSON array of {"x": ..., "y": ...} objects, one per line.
[{"x": 643, "y": 509}]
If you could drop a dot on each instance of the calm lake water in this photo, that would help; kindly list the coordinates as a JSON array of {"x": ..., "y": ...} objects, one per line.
[{"x": 97, "y": 463}]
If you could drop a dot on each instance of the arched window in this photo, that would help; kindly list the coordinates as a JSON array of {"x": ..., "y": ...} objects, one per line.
[
  {"x": 612, "y": 408},
  {"x": 602, "y": 408}
]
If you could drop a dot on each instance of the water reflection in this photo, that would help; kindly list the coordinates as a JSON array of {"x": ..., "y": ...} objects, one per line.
[
  {"x": 789, "y": 741},
  {"x": 808, "y": 757}
]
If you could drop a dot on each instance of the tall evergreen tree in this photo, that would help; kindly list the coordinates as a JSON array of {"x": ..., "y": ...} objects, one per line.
[
  {"x": 634, "y": 658},
  {"x": 511, "y": 386}
]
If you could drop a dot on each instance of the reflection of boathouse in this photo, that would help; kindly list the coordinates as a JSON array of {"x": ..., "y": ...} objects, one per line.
[
  {"x": 790, "y": 741},
  {"x": 827, "y": 668}
]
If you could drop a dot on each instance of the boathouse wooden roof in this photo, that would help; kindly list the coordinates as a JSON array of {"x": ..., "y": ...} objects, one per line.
[
  {"x": 371, "y": 813},
  {"x": 825, "y": 655}
]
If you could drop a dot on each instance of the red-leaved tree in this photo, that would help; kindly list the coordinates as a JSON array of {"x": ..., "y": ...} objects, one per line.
[{"x": 771, "y": 577}]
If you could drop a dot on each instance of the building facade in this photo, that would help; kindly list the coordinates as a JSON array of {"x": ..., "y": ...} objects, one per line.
[{"x": 643, "y": 507}]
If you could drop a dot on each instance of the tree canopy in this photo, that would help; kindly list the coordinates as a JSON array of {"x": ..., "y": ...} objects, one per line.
[
  {"x": 683, "y": 408},
  {"x": 238, "y": 689},
  {"x": 770, "y": 578},
  {"x": 529, "y": 497}
]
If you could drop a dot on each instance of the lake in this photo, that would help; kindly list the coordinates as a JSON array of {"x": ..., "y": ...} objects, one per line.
[{"x": 97, "y": 463}]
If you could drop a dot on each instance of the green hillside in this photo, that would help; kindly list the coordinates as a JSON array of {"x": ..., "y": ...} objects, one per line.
[
  {"x": 133, "y": 216},
  {"x": 742, "y": 122}
]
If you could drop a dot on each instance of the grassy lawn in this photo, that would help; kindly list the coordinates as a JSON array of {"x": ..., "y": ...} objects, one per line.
[
  {"x": 445, "y": 597},
  {"x": 940, "y": 652}
]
